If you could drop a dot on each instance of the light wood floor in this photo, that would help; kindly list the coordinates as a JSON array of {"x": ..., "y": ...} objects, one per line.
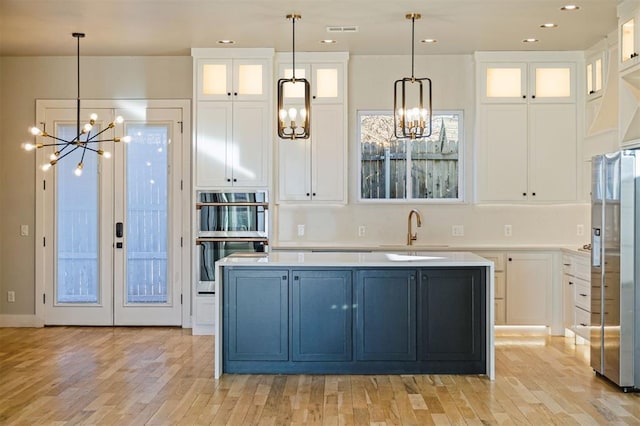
[{"x": 69, "y": 375}]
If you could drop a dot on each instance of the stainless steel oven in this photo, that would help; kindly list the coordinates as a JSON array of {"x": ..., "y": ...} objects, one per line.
[{"x": 228, "y": 223}]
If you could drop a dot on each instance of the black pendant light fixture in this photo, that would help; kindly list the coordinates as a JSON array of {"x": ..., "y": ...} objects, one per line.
[
  {"x": 411, "y": 111},
  {"x": 293, "y": 119},
  {"x": 85, "y": 139}
]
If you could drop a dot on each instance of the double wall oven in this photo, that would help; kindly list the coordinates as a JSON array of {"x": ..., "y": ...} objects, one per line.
[{"x": 228, "y": 222}]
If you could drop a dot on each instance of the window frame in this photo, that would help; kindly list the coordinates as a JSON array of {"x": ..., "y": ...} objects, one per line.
[{"x": 460, "y": 199}]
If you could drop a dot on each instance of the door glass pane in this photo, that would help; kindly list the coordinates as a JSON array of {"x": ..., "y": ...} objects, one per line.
[
  {"x": 553, "y": 82},
  {"x": 77, "y": 224},
  {"x": 504, "y": 82},
  {"x": 597, "y": 75},
  {"x": 250, "y": 79},
  {"x": 327, "y": 83},
  {"x": 590, "y": 78},
  {"x": 627, "y": 39},
  {"x": 147, "y": 202},
  {"x": 214, "y": 79}
]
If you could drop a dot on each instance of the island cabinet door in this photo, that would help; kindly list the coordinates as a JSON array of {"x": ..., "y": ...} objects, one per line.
[
  {"x": 256, "y": 315},
  {"x": 321, "y": 315},
  {"x": 386, "y": 315},
  {"x": 452, "y": 314}
]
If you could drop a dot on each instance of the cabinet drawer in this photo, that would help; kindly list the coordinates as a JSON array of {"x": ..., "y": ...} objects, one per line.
[
  {"x": 583, "y": 320},
  {"x": 582, "y": 294},
  {"x": 500, "y": 316},
  {"x": 496, "y": 258},
  {"x": 499, "y": 290},
  {"x": 582, "y": 268},
  {"x": 567, "y": 264}
]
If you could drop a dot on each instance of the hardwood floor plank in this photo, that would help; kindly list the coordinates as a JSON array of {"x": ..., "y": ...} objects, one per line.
[{"x": 148, "y": 376}]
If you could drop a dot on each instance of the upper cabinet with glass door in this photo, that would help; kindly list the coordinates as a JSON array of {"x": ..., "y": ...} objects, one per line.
[
  {"x": 224, "y": 79},
  {"x": 595, "y": 68},
  {"x": 522, "y": 82},
  {"x": 326, "y": 79},
  {"x": 629, "y": 13}
]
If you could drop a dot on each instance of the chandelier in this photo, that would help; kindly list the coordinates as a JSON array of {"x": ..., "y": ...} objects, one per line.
[
  {"x": 288, "y": 127},
  {"x": 86, "y": 139},
  {"x": 411, "y": 112}
]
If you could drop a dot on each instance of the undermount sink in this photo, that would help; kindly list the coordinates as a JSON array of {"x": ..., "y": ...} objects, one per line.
[{"x": 409, "y": 257}]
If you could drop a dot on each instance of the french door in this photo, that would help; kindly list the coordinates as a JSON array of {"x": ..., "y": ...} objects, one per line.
[{"x": 112, "y": 237}]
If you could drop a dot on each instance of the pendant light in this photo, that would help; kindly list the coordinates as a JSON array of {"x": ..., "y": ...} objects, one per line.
[
  {"x": 293, "y": 119},
  {"x": 411, "y": 111},
  {"x": 84, "y": 139}
]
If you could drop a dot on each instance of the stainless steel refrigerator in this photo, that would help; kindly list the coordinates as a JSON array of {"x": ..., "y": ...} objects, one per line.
[{"x": 615, "y": 272}]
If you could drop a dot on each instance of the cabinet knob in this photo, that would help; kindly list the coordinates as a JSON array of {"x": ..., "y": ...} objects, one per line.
[
  {"x": 510, "y": 259},
  {"x": 570, "y": 282},
  {"x": 524, "y": 194},
  {"x": 235, "y": 93},
  {"x": 533, "y": 96},
  {"x": 228, "y": 180},
  {"x": 235, "y": 180},
  {"x": 533, "y": 193},
  {"x": 308, "y": 194},
  {"x": 284, "y": 278},
  {"x": 295, "y": 278},
  {"x": 228, "y": 93},
  {"x": 314, "y": 96},
  {"x": 314, "y": 194},
  {"x": 591, "y": 92},
  {"x": 524, "y": 96}
]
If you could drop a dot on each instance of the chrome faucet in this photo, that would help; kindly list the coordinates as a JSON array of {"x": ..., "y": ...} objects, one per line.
[{"x": 411, "y": 237}]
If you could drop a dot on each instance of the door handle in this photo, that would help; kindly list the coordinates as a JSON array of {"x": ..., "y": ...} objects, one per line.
[{"x": 119, "y": 230}]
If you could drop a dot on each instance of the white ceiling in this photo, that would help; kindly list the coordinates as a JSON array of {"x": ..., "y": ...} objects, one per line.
[{"x": 172, "y": 27}]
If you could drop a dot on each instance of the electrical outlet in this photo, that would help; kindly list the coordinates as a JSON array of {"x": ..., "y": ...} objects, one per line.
[
  {"x": 457, "y": 230},
  {"x": 11, "y": 296},
  {"x": 24, "y": 230},
  {"x": 300, "y": 230},
  {"x": 361, "y": 230},
  {"x": 580, "y": 230},
  {"x": 508, "y": 230}
]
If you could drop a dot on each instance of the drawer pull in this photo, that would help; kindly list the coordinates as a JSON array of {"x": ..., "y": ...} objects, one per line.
[
  {"x": 583, "y": 295},
  {"x": 583, "y": 324},
  {"x": 570, "y": 282}
]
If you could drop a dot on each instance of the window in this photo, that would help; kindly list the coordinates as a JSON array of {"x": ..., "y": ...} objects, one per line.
[{"x": 404, "y": 169}]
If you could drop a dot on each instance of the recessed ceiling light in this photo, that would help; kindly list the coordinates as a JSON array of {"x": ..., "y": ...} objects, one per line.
[
  {"x": 429, "y": 40},
  {"x": 226, "y": 42},
  {"x": 549, "y": 25},
  {"x": 570, "y": 7},
  {"x": 530, "y": 40},
  {"x": 328, "y": 41}
]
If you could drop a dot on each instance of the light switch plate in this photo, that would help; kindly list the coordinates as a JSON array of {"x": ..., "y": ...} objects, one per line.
[
  {"x": 24, "y": 230},
  {"x": 508, "y": 230},
  {"x": 457, "y": 230},
  {"x": 300, "y": 230}
]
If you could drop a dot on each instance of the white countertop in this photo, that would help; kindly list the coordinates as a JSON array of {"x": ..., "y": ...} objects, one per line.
[{"x": 351, "y": 259}]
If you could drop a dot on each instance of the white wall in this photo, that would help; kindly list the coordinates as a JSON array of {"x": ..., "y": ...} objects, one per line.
[
  {"x": 22, "y": 81},
  {"x": 371, "y": 87}
]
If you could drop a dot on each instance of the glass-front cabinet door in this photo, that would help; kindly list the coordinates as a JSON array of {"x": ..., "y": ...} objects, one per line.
[
  {"x": 552, "y": 82},
  {"x": 595, "y": 68},
  {"x": 504, "y": 82},
  {"x": 232, "y": 79}
]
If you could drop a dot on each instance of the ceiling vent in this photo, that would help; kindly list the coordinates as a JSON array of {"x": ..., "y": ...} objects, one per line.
[{"x": 342, "y": 29}]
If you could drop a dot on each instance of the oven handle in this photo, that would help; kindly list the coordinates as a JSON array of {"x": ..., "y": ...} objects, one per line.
[{"x": 232, "y": 240}]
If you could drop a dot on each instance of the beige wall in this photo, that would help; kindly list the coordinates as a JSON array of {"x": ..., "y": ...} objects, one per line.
[
  {"x": 25, "y": 79},
  {"x": 22, "y": 81}
]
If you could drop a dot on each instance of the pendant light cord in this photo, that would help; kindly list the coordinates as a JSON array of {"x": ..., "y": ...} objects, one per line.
[
  {"x": 77, "y": 36},
  {"x": 293, "y": 46},
  {"x": 413, "y": 26}
]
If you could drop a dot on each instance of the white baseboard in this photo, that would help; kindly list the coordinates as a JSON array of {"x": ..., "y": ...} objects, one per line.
[{"x": 20, "y": 321}]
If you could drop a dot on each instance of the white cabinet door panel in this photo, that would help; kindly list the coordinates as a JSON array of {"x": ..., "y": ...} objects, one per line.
[
  {"x": 294, "y": 169},
  {"x": 213, "y": 135},
  {"x": 250, "y": 143},
  {"x": 327, "y": 153},
  {"x": 529, "y": 280}
]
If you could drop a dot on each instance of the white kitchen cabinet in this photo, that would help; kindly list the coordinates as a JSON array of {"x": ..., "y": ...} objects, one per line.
[
  {"x": 595, "y": 74},
  {"x": 629, "y": 76},
  {"x": 499, "y": 296},
  {"x": 233, "y": 125},
  {"x": 527, "y": 142},
  {"x": 529, "y": 280},
  {"x": 577, "y": 293},
  {"x": 313, "y": 170},
  {"x": 233, "y": 79},
  {"x": 204, "y": 315},
  {"x": 629, "y": 33}
]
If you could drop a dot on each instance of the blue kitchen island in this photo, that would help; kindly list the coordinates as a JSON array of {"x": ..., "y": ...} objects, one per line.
[{"x": 355, "y": 313}]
